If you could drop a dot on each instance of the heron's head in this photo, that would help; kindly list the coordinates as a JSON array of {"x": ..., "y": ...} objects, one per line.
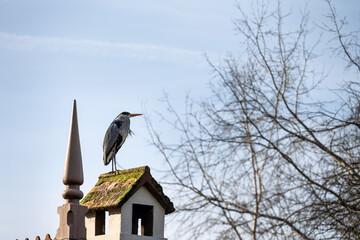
[{"x": 129, "y": 115}]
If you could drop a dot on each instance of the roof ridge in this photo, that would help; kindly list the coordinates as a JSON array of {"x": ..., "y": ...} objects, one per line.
[{"x": 131, "y": 170}]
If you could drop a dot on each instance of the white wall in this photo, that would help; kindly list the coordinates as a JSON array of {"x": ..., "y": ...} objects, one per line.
[{"x": 143, "y": 196}]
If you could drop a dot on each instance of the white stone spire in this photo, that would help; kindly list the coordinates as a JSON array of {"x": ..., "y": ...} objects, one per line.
[
  {"x": 72, "y": 214},
  {"x": 73, "y": 172}
]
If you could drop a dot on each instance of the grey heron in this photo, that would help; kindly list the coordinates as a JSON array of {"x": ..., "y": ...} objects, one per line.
[{"x": 115, "y": 137}]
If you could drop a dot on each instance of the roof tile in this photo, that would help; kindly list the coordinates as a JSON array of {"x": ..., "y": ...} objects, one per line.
[{"x": 113, "y": 189}]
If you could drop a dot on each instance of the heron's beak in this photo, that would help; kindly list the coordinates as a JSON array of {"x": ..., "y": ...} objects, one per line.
[{"x": 134, "y": 115}]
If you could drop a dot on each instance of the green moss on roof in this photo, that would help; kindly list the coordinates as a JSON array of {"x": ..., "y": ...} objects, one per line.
[{"x": 113, "y": 189}]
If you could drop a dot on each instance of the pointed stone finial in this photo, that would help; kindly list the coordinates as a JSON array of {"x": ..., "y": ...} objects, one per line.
[
  {"x": 73, "y": 172},
  {"x": 72, "y": 214}
]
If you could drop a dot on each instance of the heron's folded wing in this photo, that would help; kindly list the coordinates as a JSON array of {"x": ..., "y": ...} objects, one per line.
[{"x": 110, "y": 139}]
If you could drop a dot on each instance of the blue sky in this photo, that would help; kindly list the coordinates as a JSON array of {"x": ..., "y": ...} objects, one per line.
[{"x": 111, "y": 56}]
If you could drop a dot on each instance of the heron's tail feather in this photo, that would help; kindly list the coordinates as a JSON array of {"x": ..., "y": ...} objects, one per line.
[{"x": 107, "y": 159}]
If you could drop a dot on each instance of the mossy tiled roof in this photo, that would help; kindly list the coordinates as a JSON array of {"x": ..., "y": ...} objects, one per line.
[{"x": 115, "y": 188}]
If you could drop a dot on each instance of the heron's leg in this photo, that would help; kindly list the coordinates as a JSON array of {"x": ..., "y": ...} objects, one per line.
[{"x": 115, "y": 163}]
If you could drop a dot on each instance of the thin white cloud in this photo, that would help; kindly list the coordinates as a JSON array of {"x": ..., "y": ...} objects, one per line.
[{"x": 84, "y": 47}]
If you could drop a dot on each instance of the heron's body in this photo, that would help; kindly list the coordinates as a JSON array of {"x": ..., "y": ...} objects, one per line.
[{"x": 115, "y": 137}]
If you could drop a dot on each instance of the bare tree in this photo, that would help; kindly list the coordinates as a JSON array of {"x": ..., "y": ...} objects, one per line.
[
  {"x": 263, "y": 157},
  {"x": 348, "y": 42}
]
